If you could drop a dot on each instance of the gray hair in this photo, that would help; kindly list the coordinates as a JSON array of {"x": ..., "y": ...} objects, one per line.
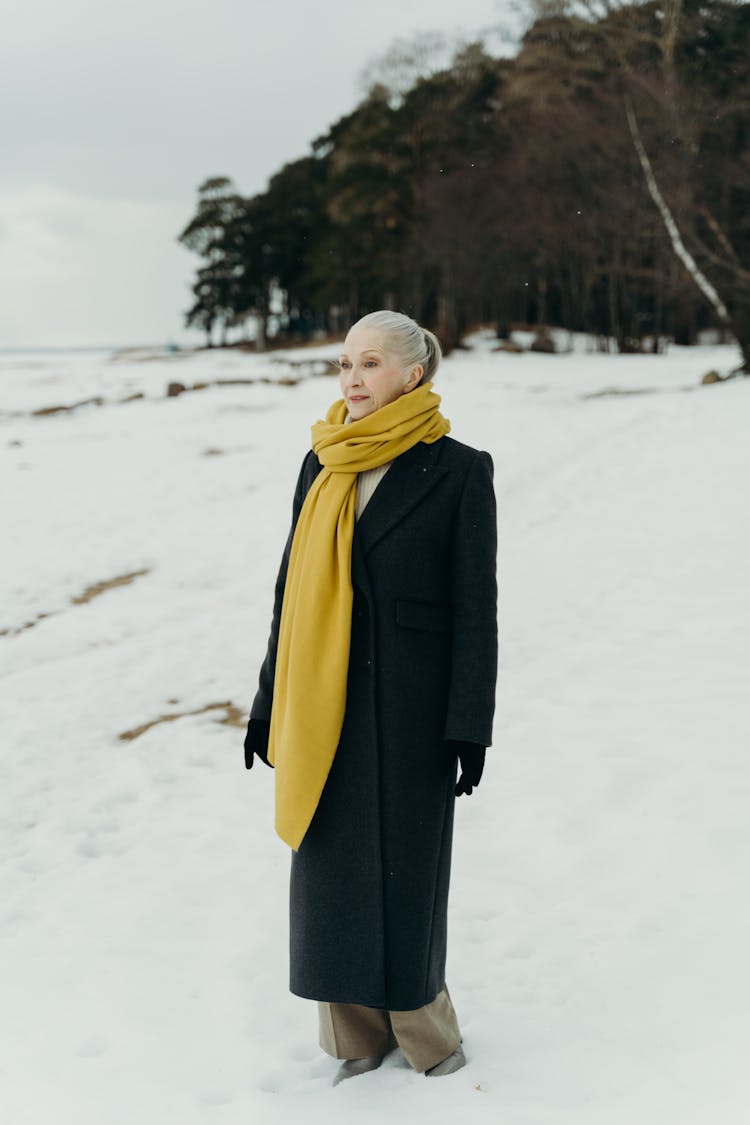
[{"x": 410, "y": 343}]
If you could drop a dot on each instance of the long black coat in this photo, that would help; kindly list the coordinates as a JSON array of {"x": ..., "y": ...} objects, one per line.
[{"x": 369, "y": 883}]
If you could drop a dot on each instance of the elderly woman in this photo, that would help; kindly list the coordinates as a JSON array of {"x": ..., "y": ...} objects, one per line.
[{"x": 378, "y": 682}]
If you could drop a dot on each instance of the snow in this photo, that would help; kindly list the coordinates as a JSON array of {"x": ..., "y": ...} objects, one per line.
[{"x": 598, "y": 921}]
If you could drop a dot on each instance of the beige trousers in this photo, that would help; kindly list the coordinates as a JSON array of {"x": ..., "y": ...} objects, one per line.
[{"x": 425, "y": 1035}]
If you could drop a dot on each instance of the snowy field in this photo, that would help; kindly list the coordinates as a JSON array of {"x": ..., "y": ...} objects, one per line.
[{"x": 599, "y": 920}]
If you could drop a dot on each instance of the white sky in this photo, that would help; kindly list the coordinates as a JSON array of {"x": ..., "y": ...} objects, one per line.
[{"x": 111, "y": 115}]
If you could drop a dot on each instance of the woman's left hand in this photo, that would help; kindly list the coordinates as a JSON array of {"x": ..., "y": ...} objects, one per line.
[
  {"x": 471, "y": 757},
  {"x": 256, "y": 742}
]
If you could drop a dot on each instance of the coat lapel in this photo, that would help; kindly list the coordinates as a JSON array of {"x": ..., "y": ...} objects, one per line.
[{"x": 410, "y": 478}]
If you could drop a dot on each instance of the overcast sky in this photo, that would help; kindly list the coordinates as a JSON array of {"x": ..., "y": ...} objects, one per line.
[{"x": 112, "y": 114}]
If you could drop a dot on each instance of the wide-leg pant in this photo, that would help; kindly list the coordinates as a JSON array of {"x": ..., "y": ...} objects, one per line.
[{"x": 425, "y": 1035}]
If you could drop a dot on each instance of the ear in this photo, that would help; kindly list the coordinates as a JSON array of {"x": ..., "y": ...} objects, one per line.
[{"x": 415, "y": 375}]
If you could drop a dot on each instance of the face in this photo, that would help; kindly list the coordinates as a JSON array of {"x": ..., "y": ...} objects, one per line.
[{"x": 369, "y": 375}]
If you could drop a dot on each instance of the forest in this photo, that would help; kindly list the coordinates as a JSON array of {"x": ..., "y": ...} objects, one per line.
[{"x": 598, "y": 180}]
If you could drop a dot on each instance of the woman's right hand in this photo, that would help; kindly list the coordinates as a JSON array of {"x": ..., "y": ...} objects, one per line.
[
  {"x": 256, "y": 742},
  {"x": 471, "y": 758}
]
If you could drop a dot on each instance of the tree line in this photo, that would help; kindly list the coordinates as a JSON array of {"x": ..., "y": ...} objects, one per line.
[{"x": 598, "y": 180}]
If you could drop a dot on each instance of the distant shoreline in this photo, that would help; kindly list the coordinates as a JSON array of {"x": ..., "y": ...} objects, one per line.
[{"x": 85, "y": 348}]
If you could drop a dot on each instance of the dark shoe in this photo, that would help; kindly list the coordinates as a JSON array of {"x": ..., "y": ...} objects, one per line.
[
  {"x": 452, "y": 1063},
  {"x": 350, "y": 1068}
]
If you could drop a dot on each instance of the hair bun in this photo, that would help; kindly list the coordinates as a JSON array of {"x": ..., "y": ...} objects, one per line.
[{"x": 434, "y": 353}]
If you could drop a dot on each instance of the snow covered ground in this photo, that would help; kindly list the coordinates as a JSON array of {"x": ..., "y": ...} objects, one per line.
[{"x": 599, "y": 920}]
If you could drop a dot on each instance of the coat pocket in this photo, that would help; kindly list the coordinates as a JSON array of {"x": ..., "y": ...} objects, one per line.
[{"x": 431, "y": 616}]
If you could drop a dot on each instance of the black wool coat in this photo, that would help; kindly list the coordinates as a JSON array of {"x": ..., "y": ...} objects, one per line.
[{"x": 369, "y": 882}]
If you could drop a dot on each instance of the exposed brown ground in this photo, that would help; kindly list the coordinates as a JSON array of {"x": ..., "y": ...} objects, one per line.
[
  {"x": 607, "y": 392},
  {"x": 108, "y": 584},
  {"x": 233, "y": 717},
  {"x": 88, "y": 594},
  {"x": 331, "y": 368},
  {"x": 42, "y": 411},
  {"x": 26, "y": 625}
]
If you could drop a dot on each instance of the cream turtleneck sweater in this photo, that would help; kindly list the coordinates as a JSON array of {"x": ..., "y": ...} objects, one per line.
[{"x": 367, "y": 481}]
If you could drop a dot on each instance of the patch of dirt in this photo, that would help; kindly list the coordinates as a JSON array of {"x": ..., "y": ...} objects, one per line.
[
  {"x": 317, "y": 366},
  {"x": 88, "y": 594},
  {"x": 145, "y": 355},
  {"x": 510, "y": 347},
  {"x": 66, "y": 408},
  {"x": 176, "y": 389},
  {"x": 609, "y": 392},
  {"x": 26, "y": 625},
  {"x": 237, "y": 382},
  {"x": 232, "y": 717},
  {"x": 303, "y": 369},
  {"x": 44, "y": 410},
  {"x": 108, "y": 584}
]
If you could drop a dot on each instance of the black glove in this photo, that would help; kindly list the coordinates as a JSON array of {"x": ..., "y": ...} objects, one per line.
[
  {"x": 471, "y": 757},
  {"x": 256, "y": 742}
]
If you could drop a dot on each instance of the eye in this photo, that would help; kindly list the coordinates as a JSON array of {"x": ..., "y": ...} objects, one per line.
[
  {"x": 343, "y": 364},
  {"x": 371, "y": 363}
]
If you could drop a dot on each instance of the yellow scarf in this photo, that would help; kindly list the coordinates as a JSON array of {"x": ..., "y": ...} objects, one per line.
[{"x": 309, "y": 695}]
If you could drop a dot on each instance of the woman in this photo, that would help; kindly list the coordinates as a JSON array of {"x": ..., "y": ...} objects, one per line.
[{"x": 378, "y": 680}]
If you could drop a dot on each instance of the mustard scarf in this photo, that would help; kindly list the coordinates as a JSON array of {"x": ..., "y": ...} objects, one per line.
[{"x": 309, "y": 695}]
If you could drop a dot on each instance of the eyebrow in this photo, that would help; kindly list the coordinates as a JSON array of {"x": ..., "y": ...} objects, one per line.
[{"x": 372, "y": 351}]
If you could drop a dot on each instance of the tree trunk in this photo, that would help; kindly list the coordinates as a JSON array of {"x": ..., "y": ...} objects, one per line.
[
  {"x": 447, "y": 327},
  {"x": 541, "y": 289},
  {"x": 614, "y": 325},
  {"x": 708, "y": 290},
  {"x": 741, "y": 324},
  {"x": 260, "y": 331}
]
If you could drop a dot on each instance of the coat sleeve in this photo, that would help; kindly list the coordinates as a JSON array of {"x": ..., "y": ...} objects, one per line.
[
  {"x": 261, "y": 707},
  {"x": 474, "y": 658}
]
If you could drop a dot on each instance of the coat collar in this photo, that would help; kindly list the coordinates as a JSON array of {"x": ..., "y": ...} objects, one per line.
[{"x": 409, "y": 479}]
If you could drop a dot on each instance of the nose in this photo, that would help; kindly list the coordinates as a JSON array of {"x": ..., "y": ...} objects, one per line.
[{"x": 353, "y": 377}]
